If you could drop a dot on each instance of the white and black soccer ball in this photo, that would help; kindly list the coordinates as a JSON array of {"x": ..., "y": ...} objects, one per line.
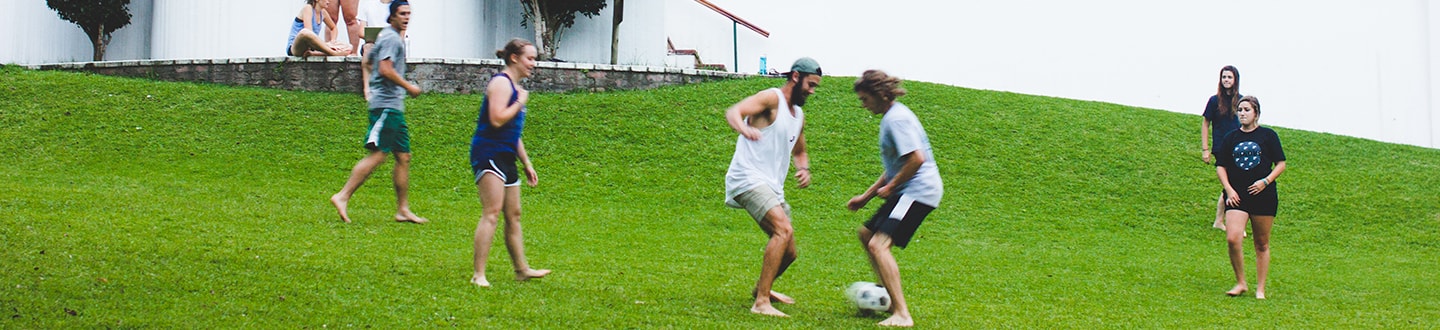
[{"x": 868, "y": 296}]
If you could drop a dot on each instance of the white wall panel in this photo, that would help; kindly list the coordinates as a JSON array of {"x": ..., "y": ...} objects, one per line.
[
  {"x": 186, "y": 29},
  {"x": 35, "y": 34},
  {"x": 447, "y": 29},
  {"x": 691, "y": 25}
]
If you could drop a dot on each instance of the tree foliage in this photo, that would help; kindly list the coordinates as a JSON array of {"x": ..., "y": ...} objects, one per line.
[
  {"x": 98, "y": 18},
  {"x": 554, "y": 17}
]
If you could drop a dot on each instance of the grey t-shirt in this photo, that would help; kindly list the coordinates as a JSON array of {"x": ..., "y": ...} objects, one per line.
[
  {"x": 383, "y": 92},
  {"x": 901, "y": 134}
]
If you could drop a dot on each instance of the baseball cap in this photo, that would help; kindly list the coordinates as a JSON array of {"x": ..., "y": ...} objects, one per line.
[{"x": 806, "y": 65}]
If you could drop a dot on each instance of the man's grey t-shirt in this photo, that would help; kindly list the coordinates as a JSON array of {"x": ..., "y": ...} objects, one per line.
[
  {"x": 383, "y": 92},
  {"x": 901, "y": 134}
]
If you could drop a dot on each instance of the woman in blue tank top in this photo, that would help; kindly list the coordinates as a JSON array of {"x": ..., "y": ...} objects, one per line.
[
  {"x": 494, "y": 149},
  {"x": 307, "y": 42}
]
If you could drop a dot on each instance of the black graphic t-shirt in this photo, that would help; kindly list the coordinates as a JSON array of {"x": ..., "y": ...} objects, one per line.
[{"x": 1248, "y": 156}]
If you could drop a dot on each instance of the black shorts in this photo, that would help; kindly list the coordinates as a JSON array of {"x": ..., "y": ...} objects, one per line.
[
  {"x": 1264, "y": 204},
  {"x": 503, "y": 165},
  {"x": 899, "y": 217}
]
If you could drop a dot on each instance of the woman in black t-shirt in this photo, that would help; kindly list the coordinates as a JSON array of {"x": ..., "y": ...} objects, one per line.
[
  {"x": 1249, "y": 157},
  {"x": 1217, "y": 120}
]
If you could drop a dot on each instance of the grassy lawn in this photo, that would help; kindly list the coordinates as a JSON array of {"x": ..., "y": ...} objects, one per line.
[{"x": 132, "y": 203}]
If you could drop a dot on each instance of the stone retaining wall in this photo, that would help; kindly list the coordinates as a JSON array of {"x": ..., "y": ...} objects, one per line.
[{"x": 434, "y": 75}]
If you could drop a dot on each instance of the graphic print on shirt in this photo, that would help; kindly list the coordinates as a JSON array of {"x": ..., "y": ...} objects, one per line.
[{"x": 1247, "y": 155}]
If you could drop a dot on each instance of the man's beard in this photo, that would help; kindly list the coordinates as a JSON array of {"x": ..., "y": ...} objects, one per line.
[{"x": 798, "y": 96}]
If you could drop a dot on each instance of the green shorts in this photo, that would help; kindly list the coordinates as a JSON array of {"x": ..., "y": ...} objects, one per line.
[{"x": 388, "y": 132}]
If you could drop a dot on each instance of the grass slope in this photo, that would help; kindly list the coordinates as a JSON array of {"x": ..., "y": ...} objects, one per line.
[{"x": 132, "y": 203}]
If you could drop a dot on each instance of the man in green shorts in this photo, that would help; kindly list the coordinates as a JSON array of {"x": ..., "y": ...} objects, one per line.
[{"x": 387, "y": 131}]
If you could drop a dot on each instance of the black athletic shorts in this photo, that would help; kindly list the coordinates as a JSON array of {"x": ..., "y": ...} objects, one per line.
[
  {"x": 899, "y": 217},
  {"x": 1264, "y": 204},
  {"x": 503, "y": 165}
]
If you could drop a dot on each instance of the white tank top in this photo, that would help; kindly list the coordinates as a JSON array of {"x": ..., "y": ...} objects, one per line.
[{"x": 767, "y": 161}]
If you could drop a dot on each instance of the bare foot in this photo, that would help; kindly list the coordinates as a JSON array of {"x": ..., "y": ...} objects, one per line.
[
  {"x": 1219, "y": 224},
  {"x": 898, "y": 321},
  {"x": 529, "y": 274},
  {"x": 407, "y": 216},
  {"x": 1239, "y": 289},
  {"x": 767, "y": 309},
  {"x": 781, "y": 297},
  {"x": 776, "y": 297},
  {"x": 480, "y": 281},
  {"x": 1260, "y": 294},
  {"x": 340, "y": 204}
]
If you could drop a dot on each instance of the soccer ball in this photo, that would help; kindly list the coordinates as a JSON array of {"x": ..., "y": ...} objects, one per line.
[{"x": 869, "y": 296}]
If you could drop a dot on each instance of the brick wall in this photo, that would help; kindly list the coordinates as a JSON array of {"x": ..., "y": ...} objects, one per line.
[{"x": 342, "y": 74}]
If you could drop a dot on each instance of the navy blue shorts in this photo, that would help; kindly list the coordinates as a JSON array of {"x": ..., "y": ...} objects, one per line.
[{"x": 502, "y": 165}]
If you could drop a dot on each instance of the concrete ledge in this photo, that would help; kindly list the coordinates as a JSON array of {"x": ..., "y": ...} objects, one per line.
[{"x": 435, "y": 75}]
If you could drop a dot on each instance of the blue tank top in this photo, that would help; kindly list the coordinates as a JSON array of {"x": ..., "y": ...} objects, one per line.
[
  {"x": 490, "y": 140},
  {"x": 300, "y": 25}
]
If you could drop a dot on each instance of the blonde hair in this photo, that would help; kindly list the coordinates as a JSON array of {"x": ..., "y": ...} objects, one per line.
[
  {"x": 881, "y": 84},
  {"x": 515, "y": 46}
]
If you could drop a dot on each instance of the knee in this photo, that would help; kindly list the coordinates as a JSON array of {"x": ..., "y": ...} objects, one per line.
[
  {"x": 1234, "y": 239},
  {"x": 512, "y": 215},
  {"x": 489, "y": 220},
  {"x": 402, "y": 159},
  {"x": 875, "y": 246},
  {"x": 784, "y": 230},
  {"x": 1262, "y": 246}
]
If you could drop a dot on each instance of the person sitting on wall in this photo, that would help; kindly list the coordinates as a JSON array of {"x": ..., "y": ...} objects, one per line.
[
  {"x": 307, "y": 42},
  {"x": 373, "y": 13}
]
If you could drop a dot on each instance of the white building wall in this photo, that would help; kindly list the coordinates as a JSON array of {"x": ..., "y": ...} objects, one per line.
[
  {"x": 185, "y": 29},
  {"x": 502, "y": 21},
  {"x": 35, "y": 34},
  {"x": 691, "y": 25},
  {"x": 447, "y": 29},
  {"x": 259, "y": 28},
  {"x": 642, "y": 33}
]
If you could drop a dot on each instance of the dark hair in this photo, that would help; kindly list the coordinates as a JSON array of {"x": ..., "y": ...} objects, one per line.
[
  {"x": 515, "y": 46},
  {"x": 877, "y": 82},
  {"x": 394, "y": 7},
  {"x": 1254, "y": 102},
  {"x": 1227, "y": 96}
]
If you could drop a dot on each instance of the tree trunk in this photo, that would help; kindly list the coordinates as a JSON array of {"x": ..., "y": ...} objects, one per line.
[
  {"x": 539, "y": 23},
  {"x": 615, "y": 31},
  {"x": 552, "y": 40},
  {"x": 97, "y": 42},
  {"x": 99, "y": 50}
]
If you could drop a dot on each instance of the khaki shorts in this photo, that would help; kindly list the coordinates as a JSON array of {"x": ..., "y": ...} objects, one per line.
[{"x": 760, "y": 201}]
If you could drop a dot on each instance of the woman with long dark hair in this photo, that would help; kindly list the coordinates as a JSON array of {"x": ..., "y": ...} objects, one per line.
[{"x": 1219, "y": 119}]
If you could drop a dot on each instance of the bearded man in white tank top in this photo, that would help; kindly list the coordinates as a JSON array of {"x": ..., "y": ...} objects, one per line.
[{"x": 771, "y": 127}]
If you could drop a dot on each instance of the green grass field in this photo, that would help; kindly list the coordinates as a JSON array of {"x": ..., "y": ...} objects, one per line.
[{"x": 133, "y": 203}]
